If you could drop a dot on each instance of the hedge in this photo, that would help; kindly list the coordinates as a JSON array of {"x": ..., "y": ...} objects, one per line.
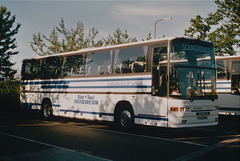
[{"x": 9, "y": 97}]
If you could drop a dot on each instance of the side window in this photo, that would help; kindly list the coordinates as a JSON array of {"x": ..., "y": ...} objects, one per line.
[
  {"x": 26, "y": 70},
  {"x": 51, "y": 68},
  {"x": 74, "y": 65},
  {"x": 129, "y": 60},
  {"x": 235, "y": 78},
  {"x": 98, "y": 63},
  {"x": 117, "y": 61},
  {"x": 31, "y": 69},
  {"x": 160, "y": 56},
  {"x": 36, "y": 69},
  {"x": 222, "y": 69}
]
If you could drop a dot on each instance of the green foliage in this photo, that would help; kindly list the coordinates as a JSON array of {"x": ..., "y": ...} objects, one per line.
[
  {"x": 9, "y": 96},
  {"x": 7, "y": 43},
  {"x": 149, "y": 37},
  {"x": 74, "y": 39},
  {"x": 227, "y": 33},
  {"x": 199, "y": 27},
  {"x": 229, "y": 9},
  {"x": 119, "y": 37}
]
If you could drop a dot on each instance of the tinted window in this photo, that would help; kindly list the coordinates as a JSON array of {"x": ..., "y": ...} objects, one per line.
[
  {"x": 129, "y": 60},
  {"x": 192, "y": 55},
  {"x": 74, "y": 65},
  {"x": 236, "y": 67},
  {"x": 36, "y": 69},
  {"x": 222, "y": 69},
  {"x": 31, "y": 69},
  {"x": 98, "y": 63},
  {"x": 192, "y": 70},
  {"x": 236, "y": 78},
  {"x": 51, "y": 68},
  {"x": 26, "y": 70}
]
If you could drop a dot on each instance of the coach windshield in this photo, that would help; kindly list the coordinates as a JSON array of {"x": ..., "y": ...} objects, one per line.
[{"x": 192, "y": 70}]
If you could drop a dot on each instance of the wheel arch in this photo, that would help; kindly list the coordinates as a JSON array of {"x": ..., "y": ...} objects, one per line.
[
  {"x": 47, "y": 113},
  {"x": 46, "y": 99},
  {"x": 121, "y": 104}
]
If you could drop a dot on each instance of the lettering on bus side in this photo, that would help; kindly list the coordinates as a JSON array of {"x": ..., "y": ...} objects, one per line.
[
  {"x": 86, "y": 100},
  {"x": 126, "y": 83}
]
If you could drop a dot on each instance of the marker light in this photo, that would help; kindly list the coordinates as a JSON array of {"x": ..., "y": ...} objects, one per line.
[{"x": 174, "y": 108}]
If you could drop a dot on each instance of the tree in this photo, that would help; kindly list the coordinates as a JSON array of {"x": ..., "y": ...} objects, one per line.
[
  {"x": 7, "y": 43},
  {"x": 119, "y": 37},
  {"x": 72, "y": 39},
  {"x": 199, "y": 28},
  {"x": 227, "y": 33},
  {"x": 149, "y": 37}
]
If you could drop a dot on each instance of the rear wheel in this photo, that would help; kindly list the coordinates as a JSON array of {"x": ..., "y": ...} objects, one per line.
[
  {"x": 47, "y": 111},
  {"x": 124, "y": 117}
]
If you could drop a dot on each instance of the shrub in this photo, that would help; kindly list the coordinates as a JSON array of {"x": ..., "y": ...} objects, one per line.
[{"x": 9, "y": 97}]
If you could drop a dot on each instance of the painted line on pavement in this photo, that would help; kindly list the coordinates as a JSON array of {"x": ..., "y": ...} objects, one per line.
[
  {"x": 54, "y": 146},
  {"x": 208, "y": 149},
  {"x": 123, "y": 133}
]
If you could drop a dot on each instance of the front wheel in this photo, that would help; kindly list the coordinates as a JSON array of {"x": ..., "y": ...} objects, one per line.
[{"x": 124, "y": 118}]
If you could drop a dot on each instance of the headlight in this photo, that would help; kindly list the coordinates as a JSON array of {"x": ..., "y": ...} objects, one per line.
[{"x": 184, "y": 108}]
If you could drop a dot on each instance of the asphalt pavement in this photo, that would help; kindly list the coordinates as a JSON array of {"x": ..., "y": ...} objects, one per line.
[{"x": 23, "y": 137}]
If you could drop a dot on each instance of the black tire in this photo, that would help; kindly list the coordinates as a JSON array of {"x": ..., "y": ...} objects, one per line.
[
  {"x": 47, "y": 111},
  {"x": 124, "y": 116}
]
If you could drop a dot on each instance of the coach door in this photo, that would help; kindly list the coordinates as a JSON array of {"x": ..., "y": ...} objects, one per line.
[{"x": 159, "y": 72}]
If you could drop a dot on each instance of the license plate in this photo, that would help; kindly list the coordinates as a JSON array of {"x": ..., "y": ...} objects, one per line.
[{"x": 202, "y": 115}]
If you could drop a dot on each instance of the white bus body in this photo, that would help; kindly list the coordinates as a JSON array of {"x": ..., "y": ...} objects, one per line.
[
  {"x": 228, "y": 84},
  {"x": 126, "y": 89}
]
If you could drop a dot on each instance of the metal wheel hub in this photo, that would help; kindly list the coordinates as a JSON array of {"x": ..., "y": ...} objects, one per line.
[
  {"x": 46, "y": 111},
  {"x": 125, "y": 118}
]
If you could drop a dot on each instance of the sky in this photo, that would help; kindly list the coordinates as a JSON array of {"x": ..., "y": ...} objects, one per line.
[{"x": 136, "y": 16}]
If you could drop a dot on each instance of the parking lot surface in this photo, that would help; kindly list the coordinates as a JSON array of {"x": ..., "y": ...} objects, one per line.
[{"x": 24, "y": 137}]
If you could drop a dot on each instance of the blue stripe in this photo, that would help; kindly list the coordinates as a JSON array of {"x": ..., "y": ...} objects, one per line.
[
  {"x": 56, "y": 105},
  {"x": 109, "y": 87},
  {"x": 44, "y": 82},
  {"x": 218, "y": 83},
  {"x": 103, "y": 80},
  {"x": 87, "y": 112},
  {"x": 29, "y": 105},
  {"x": 88, "y": 80},
  {"x": 110, "y": 114},
  {"x": 223, "y": 82},
  {"x": 66, "y": 86},
  {"x": 151, "y": 118},
  {"x": 224, "y": 88},
  {"x": 54, "y": 86}
]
